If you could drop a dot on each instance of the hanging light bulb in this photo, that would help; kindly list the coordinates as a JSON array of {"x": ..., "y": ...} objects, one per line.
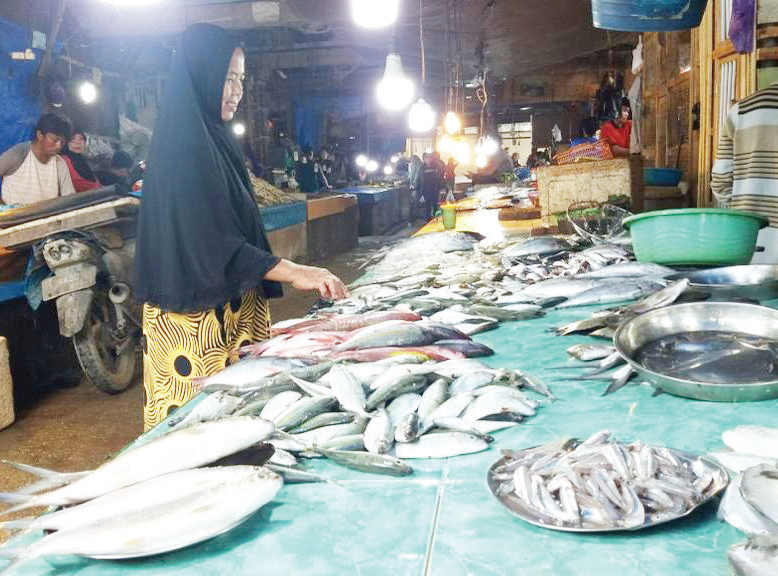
[
  {"x": 388, "y": 170},
  {"x": 88, "y": 92},
  {"x": 452, "y": 123},
  {"x": 375, "y": 13},
  {"x": 239, "y": 128},
  {"x": 480, "y": 161},
  {"x": 486, "y": 146},
  {"x": 395, "y": 90},
  {"x": 371, "y": 166},
  {"x": 421, "y": 117},
  {"x": 361, "y": 160}
]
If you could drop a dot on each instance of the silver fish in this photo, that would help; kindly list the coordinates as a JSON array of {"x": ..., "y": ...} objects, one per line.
[
  {"x": 369, "y": 462},
  {"x": 211, "y": 407},
  {"x": 180, "y": 449},
  {"x": 379, "y": 434},
  {"x": 348, "y": 390},
  {"x": 302, "y": 410},
  {"x": 441, "y": 445},
  {"x": 757, "y": 557},
  {"x": 407, "y": 429}
]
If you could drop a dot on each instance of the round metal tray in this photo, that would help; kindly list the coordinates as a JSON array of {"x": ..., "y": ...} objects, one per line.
[
  {"x": 527, "y": 512},
  {"x": 699, "y": 317},
  {"x": 754, "y": 281}
]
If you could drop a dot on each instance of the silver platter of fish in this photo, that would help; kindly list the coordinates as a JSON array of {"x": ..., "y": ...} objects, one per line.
[
  {"x": 715, "y": 351},
  {"x": 602, "y": 486}
]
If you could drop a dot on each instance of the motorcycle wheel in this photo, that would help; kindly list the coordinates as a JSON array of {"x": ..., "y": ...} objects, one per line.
[{"x": 110, "y": 369}]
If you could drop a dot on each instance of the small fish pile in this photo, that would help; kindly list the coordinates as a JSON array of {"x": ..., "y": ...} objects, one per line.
[
  {"x": 406, "y": 332},
  {"x": 508, "y": 280},
  {"x": 602, "y": 484},
  {"x": 268, "y": 195},
  {"x": 135, "y": 504},
  {"x": 371, "y": 415}
]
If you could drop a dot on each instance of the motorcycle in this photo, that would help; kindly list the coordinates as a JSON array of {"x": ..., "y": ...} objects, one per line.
[{"x": 85, "y": 247}]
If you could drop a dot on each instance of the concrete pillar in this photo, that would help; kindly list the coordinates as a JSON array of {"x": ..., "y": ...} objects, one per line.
[{"x": 6, "y": 387}]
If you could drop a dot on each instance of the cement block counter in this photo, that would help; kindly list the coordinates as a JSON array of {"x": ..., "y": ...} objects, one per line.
[
  {"x": 381, "y": 209},
  {"x": 333, "y": 225}
]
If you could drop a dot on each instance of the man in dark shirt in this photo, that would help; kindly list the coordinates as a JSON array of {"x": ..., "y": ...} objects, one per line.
[{"x": 430, "y": 185}]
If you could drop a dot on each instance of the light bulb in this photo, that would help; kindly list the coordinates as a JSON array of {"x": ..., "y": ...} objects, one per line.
[
  {"x": 395, "y": 159},
  {"x": 445, "y": 143},
  {"x": 88, "y": 92},
  {"x": 371, "y": 166},
  {"x": 375, "y": 13},
  {"x": 132, "y": 3},
  {"x": 421, "y": 117},
  {"x": 480, "y": 161},
  {"x": 388, "y": 170},
  {"x": 452, "y": 123},
  {"x": 361, "y": 160},
  {"x": 239, "y": 128},
  {"x": 462, "y": 152},
  {"x": 395, "y": 90},
  {"x": 486, "y": 146}
]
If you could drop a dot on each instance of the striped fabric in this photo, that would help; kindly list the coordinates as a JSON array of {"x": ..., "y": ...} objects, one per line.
[{"x": 745, "y": 175}]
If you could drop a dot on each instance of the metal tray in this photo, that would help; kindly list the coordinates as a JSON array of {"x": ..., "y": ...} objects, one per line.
[
  {"x": 696, "y": 317},
  {"x": 527, "y": 512},
  {"x": 755, "y": 281}
]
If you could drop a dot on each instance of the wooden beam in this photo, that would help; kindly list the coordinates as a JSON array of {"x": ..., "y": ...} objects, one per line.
[
  {"x": 770, "y": 53},
  {"x": 769, "y": 31}
]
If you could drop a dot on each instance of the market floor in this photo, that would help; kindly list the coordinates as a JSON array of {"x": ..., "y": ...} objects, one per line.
[{"x": 77, "y": 428}]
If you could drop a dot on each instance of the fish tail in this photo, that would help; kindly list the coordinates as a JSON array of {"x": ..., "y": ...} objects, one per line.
[
  {"x": 34, "y": 470},
  {"x": 51, "y": 483},
  {"x": 17, "y": 525},
  {"x": 20, "y": 501}
]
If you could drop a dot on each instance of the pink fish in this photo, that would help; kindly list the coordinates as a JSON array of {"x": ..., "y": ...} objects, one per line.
[{"x": 437, "y": 353}]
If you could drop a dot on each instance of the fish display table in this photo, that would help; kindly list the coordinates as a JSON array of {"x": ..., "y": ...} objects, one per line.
[
  {"x": 285, "y": 225},
  {"x": 333, "y": 225},
  {"x": 381, "y": 209},
  {"x": 443, "y": 521}
]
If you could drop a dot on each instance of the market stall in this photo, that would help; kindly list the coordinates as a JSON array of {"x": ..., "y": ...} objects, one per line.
[
  {"x": 333, "y": 225},
  {"x": 381, "y": 209}
]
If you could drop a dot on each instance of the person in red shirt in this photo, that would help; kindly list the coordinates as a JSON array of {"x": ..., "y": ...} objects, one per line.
[
  {"x": 80, "y": 173},
  {"x": 617, "y": 132}
]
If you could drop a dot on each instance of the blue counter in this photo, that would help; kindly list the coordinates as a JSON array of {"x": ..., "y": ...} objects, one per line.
[
  {"x": 443, "y": 521},
  {"x": 380, "y": 209},
  {"x": 283, "y": 215}
]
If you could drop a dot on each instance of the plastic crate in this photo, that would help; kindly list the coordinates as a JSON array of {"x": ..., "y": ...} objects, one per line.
[{"x": 599, "y": 150}]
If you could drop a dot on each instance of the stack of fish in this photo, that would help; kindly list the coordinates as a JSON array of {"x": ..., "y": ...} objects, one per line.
[
  {"x": 479, "y": 283},
  {"x": 751, "y": 501},
  {"x": 600, "y": 484},
  {"x": 368, "y": 415},
  {"x": 136, "y": 504}
]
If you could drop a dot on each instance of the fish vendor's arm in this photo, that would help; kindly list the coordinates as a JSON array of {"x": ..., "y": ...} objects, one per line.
[
  {"x": 722, "y": 174},
  {"x": 304, "y": 277}
]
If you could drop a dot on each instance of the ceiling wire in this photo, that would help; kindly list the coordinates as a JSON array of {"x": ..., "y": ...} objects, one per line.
[{"x": 421, "y": 43}]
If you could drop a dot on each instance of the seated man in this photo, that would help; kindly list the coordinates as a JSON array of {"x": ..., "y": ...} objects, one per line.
[{"x": 34, "y": 171}]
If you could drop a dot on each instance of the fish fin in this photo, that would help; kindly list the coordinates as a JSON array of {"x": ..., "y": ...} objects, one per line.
[
  {"x": 615, "y": 385},
  {"x": 34, "y": 470},
  {"x": 17, "y": 525},
  {"x": 51, "y": 483},
  {"x": 21, "y": 501},
  {"x": 658, "y": 392}
]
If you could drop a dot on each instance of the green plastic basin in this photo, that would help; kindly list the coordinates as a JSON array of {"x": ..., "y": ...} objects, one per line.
[{"x": 695, "y": 236}]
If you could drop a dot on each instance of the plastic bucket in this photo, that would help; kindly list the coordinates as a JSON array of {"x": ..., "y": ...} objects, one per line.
[
  {"x": 647, "y": 15},
  {"x": 449, "y": 212},
  {"x": 695, "y": 236}
]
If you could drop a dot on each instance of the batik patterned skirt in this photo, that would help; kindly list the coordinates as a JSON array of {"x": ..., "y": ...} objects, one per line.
[{"x": 179, "y": 348}]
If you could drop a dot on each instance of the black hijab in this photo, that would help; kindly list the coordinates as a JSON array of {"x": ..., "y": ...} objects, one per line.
[
  {"x": 200, "y": 240},
  {"x": 79, "y": 162}
]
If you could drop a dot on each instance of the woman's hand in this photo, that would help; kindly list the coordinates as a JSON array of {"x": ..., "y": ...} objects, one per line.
[{"x": 309, "y": 278}]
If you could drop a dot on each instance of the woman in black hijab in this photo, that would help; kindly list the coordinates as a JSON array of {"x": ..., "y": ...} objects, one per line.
[
  {"x": 204, "y": 268},
  {"x": 80, "y": 172}
]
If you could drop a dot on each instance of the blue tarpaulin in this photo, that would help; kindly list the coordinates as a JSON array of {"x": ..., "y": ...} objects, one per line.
[
  {"x": 310, "y": 115},
  {"x": 20, "y": 110}
]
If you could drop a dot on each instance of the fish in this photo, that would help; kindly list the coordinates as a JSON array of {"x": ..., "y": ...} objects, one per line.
[
  {"x": 456, "y": 317},
  {"x": 469, "y": 348},
  {"x": 435, "y": 394},
  {"x": 441, "y": 445},
  {"x": 139, "y": 528},
  {"x": 302, "y": 410},
  {"x": 757, "y": 557},
  {"x": 537, "y": 247},
  {"x": 510, "y": 312},
  {"x": 619, "y": 379},
  {"x": 408, "y": 384},
  {"x": 589, "y": 352},
  {"x": 756, "y": 440},
  {"x": 278, "y": 403},
  {"x": 354, "y": 442},
  {"x": 613, "y": 290},
  {"x": 403, "y": 405},
  {"x": 467, "y": 383},
  {"x": 210, "y": 408},
  {"x": 408, "y": 428},
  {"x": 738, "y": 512},
  {"x": 496, "y": 404},
  {"x": 663, "y": 297},
  {"x": 759, "y": 487},
  {"x": 368, "y": 462},
  {"x": 296, "y": 475},
  {"x": 555, "y": 288},
  {"x": 348, "y": 390},
  {"x": 248, "y": 371},
  {"x": 379, "y": 434},
  {"x": 461, "y": 425},
  {"x": 394, "y": 333},
  {"x": 629, "y": 270},
  {"x": 737, "y": 461},
  {"x": 180, "y": 449}
]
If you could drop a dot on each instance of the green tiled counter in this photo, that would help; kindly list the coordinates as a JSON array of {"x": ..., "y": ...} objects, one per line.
[{"x": 442, "y": 521}]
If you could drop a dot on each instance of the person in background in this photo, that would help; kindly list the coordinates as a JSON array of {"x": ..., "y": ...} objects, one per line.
[
  {"x": 450, "y": 175},
  {"x": 34, "y": 171},
  {"x": 204, "y": 269},
  {"x": 306, "y": 172},
  {"x": 515, "y": 159},
  {"x": 119, "y": 174},
  {"x": 80, "y": 172},
  {"x": 430, "y": 185},
  {"x": 745, "y": 174},
  {"x": 617, "y": 131}
]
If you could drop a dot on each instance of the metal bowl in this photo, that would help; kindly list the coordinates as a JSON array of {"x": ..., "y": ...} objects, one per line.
[
  {"x": 739, "y": 318},
  {"x": 756, "y": 281}
]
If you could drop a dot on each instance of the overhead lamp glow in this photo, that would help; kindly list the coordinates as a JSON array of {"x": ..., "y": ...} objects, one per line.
[
  {"x": 388, "y": 170},
  {"x": 395, "y": 159},
  {"x": 87, "y": 92},
  {"x": 462, "y": 152},
  {"x": 361, "y": 160},
  {"x": 395, "y": 90},
  {"x": 480, "y": 161},
  {"x": 375, "y": 13},
  {"x": 486, "y": 146},
  {"x": 132, "y": 3},
  {"x": 239, "y": 128},
  {"x": 421, "y": 117},
  {"x": 371, "y": 166},
  {"x": 445, "y": 143},
  {"x": 452, "y": 123}
]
